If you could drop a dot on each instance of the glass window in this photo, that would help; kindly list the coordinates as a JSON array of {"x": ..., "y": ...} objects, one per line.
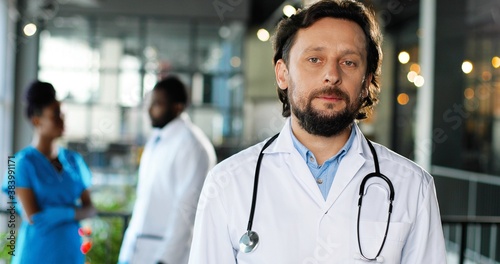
[
  {"x": 104, "y": 68},
  {"x": 168, "y": 46},
  {"x": 406, "y": 83},
  {"x": 481, "y": 101}
]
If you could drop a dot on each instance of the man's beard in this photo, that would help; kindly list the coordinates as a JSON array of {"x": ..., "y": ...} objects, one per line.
[
  {"x": 164, "y": 120},
  {"x": 319, "y": 124}
]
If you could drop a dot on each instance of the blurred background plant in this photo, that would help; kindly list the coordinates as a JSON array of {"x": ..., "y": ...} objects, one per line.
[
  {"x": 4, "y": 250},
  {"x": 108, "y": 227},
  {"x": 114, "y": 204}
]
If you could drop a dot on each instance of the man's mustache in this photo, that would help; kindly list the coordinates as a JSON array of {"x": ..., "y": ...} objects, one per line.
[{"x": 331, "y": 91}]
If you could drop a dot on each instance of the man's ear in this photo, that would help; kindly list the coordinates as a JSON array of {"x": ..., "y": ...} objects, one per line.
[
  {"x": 281, "y": 72},
  {"x": 366, "y": 84},
  {"x": 179, "y": 107}
]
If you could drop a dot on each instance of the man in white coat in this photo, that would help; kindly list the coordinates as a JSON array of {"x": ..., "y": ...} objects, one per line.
[
  {"x": 327, "y": 65},
  {"x": 173, "y": 167}
]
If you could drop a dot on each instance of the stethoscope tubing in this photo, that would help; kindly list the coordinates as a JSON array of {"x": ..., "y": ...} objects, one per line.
[
  {"x": 256, "y": 182},
  {"x": 361, "y": 194},
  {"x": 360, "y": 201}
]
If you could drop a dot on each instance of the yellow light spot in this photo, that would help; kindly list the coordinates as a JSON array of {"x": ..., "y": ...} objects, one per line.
[
  {"x": 415, "y": 67},
  {"x": 486, "y": 76},
  {"x": 495, "y": 62},
  {"x": 404, "y": 57},
  {"x": 467, "y": 67},
  {"x": 469, "y": 93},
  {"x": 403, "y": 99}
]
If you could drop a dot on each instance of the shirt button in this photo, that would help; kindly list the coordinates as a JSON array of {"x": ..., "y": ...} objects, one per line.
[
  {"x": 319, "y": 181},
  {"x": 311, "y": 159}
]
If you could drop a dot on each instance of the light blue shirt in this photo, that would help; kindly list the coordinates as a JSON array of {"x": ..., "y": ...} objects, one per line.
[{"x": 325, "y": 173}]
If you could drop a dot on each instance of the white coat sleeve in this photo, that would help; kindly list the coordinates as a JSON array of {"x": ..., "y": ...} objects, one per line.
[
  {"x": 192, "y": 166},
  {"x": 211, "y": 240},
  {"x": 425, "y": 242}
]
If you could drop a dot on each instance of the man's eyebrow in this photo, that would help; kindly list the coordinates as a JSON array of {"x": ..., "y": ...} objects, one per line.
[
  {"x": 315, "y": 48},
  {"x": 350, "y": 52},
  {"x": 346, "y": 51}
]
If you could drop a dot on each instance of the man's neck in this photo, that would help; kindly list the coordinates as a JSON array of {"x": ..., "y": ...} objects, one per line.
[{"x": 323, "y": 148}]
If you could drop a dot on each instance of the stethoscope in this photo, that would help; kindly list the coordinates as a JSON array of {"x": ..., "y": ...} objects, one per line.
[{"x": 250, "y": 239}]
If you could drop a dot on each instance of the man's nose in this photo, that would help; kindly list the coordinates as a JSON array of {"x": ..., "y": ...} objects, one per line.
[{"x": 332, "y": 74}]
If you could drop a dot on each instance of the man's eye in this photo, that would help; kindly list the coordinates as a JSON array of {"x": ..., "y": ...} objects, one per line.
[
  {"x": 349, "y": 63},
  {"x": 314, "y": 60}
]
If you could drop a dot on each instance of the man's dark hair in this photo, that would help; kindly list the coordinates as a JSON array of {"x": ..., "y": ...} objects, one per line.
[
  {"x": 38, "y": 96},
  {"x": 174, "y": 88},
  {"x": 351, "y": 10}
]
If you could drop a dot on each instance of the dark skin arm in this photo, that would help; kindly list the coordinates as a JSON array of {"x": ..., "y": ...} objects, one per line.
[
  {"x": 30, "y": 206},
  {"x": 27, "y": 198},
  {"x": 87, "y": 210}
]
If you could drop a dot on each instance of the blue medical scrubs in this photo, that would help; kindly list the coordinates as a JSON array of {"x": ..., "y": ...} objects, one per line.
[{"x": 51, "y": 189}]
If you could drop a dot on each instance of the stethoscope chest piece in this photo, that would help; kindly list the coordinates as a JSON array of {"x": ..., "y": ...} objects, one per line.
[{"x": 249, "y": 241}]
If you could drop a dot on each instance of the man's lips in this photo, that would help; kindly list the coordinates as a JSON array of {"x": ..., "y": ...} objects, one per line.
[{"x": 333, "y": 98}]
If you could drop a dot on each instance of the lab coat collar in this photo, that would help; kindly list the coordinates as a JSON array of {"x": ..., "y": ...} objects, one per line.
[
  {"x": 348, "y": 169},
  {"x": 284, "y": 142},
  {"x": 172, "y": 127}
]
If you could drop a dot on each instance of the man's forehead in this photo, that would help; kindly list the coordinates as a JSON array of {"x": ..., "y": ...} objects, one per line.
[{"x": 328, "y": 32}]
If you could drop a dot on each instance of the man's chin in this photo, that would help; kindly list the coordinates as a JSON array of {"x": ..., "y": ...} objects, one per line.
[{"x": 157, "y": 125}]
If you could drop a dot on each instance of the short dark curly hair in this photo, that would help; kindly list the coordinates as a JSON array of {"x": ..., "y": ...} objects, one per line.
[
  {"x": 351, "y": 10},
  {"x": 175, "y": 89},
  {"x": 38, "y": 96}
]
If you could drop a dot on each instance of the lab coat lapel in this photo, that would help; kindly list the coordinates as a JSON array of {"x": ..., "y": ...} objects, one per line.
[
  {"x": 348, "y": 168},
  {"x": 303, "y": 176},
  {"x": 296, "y": 164}
]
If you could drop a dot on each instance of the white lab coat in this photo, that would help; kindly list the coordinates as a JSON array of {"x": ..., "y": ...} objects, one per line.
[
  {"x": 295, "y": 223},
  {"x": 171, "y": 175}
]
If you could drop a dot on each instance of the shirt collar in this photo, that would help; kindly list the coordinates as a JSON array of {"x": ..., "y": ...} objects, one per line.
[
  {"x": 305, "y": 153},
  {"x": 284, "y": 142}
]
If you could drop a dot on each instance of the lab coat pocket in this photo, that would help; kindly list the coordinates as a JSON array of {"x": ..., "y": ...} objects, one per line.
[
  {"x": 145, "y": 250},
  {"x": 371, "y": 236}
]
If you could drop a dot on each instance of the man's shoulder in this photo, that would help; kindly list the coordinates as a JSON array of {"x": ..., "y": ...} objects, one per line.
[
  {"x": 396, "y": 160},
  {"x": 195, "y": 137},
  {"x": 241, "y": 160}
]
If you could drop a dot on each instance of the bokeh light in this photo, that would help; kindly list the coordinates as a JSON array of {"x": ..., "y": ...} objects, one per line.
[
  {"x": 29, "y": 29},
  {"x": 415, "y": 67},
  {"x": 469, "y": 93},
  {"x": 289, "y": 10},
  {"x": 495, "y": 62},
  {"x": 467, "y": 67},
  {"x": 403, "y": 99},
  {"x": 419, "y": 81},
  {"x": 411, "y": 76},
  {"x": 404, "y": 57},
  {"x": 263, "y": 35}
]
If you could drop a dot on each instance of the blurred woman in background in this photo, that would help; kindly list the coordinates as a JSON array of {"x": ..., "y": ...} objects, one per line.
[{"x": 51, "y": 184}]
